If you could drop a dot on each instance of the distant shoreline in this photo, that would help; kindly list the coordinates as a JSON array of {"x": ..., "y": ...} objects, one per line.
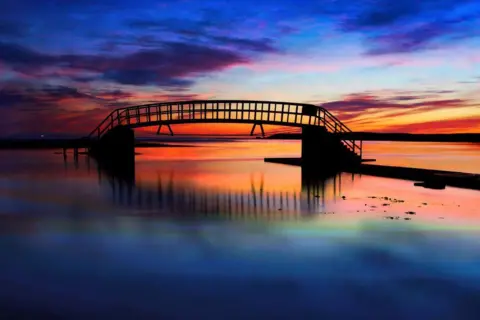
[
  {"x": 13, "y": 144},
  {"x": 39, "y": 144}
]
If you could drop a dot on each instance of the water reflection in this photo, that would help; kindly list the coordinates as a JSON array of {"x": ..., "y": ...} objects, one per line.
[
  {"x": 253, "y": 190},
  {"x": 74, "y": 243},
  {"x": 167, "y": 196}
]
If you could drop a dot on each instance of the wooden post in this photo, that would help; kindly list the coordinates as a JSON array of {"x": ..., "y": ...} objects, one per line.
[
  {"x": 253, "y": 129},
  {"x": 169, "y": 129}
]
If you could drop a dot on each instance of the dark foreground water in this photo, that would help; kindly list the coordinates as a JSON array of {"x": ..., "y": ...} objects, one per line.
[{"x": 212, "y": 232}]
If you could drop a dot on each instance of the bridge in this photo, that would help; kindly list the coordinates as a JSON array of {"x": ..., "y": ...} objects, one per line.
[{"x": 322, "y": 132}]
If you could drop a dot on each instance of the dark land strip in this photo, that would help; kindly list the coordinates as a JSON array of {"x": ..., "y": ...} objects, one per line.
[
  {"x": 434, "y": 178},
  {"x": 15, "y": 144}
]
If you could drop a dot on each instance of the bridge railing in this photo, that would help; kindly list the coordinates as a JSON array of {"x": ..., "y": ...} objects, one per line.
[
  {"x": 337, "y": 127},
  {"x": 269, "y": 112}
]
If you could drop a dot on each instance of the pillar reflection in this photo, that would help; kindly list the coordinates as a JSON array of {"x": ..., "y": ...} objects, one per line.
[{"x": 170, "y": 197}]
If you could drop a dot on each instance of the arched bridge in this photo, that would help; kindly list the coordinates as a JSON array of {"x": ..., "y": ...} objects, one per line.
[{"x": 321, "y": 130}]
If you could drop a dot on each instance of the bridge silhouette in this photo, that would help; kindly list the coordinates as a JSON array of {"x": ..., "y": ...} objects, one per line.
[{"x": 322, "y": 132}]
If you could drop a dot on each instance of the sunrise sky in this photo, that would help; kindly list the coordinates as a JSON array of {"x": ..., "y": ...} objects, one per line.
[{"x": 380, "y": 65}]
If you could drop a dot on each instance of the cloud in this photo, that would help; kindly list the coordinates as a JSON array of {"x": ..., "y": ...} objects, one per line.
[
  {"x": 11, "y": 29},
  {"x": 56, "y": 109},
  {"x": 114, "y": 94},
  {"x": 27, "y": 97},
  {"x": 200, "y": 30},
  {"x": 260, "y": 45},
  {"x": 383, "y": 13},
  {"x": 463, "y": 125},
  {"x": 416, "y": 38},
  {"x": 409, "y": 26},
  {"x": 168, "y": 66},
  {"x": 10, "y": 97},
  {"x": 405, "y": 111},
  {"x": 22, "y": 58},
  {"x": 363, "y": 102},
  {"x": 178, "y": 97}
]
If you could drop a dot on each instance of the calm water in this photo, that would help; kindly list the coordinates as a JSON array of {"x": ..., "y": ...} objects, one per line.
[{"x": 213, "y": 232}]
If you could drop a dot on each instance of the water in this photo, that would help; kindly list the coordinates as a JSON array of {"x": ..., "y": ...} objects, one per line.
[{"x": 212, "y": 231}]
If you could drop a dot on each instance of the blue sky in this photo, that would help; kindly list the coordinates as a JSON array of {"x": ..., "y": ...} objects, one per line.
[{"x": 409, "y": 66}]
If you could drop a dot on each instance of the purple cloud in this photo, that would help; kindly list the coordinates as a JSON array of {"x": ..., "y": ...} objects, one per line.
[
  {"x": 359, "y": 103},
  {"x": 168, "y": 66}
]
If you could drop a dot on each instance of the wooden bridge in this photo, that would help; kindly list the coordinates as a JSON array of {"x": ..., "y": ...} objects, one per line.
[{"x": 321, "y": 131}]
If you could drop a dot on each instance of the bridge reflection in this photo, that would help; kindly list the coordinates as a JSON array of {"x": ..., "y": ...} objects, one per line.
[{"x": 164, "y": 196}]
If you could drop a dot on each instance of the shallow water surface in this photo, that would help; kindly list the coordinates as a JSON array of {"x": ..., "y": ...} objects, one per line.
[{"x": 214, "y": 232}]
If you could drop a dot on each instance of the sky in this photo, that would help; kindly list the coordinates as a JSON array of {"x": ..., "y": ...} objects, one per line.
[{"x": 379, "y": 65}]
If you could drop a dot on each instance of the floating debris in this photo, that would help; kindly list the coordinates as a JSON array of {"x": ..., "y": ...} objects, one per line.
[
  {"x": 410, "y": 212},
  {"x": 424, "y": 203},
  {"x": 343, "y": 197},
  {"x": 392, "y": 218},
  {"x": 373, "y": 206},
  {"x": 407, "y": 218},
  {"x": 373, "y": 197},
  {"x": 385, "y": 204}
]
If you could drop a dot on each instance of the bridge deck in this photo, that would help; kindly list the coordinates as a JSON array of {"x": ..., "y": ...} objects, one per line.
[{"x": 227, "y": 111}]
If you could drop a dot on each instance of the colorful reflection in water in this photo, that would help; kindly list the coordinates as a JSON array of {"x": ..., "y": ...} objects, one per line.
[
  {"x": 462, "y": 157},
  {"x": 212, "y": 231}
]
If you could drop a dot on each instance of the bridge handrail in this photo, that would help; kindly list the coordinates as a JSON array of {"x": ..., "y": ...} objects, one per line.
[{"x": 119, "y": 114}]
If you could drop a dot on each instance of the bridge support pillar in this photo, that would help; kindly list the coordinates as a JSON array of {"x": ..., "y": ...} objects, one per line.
[
  {"x": 323, "y": 151},
  {"x": 115, "y": 150},
  {"x": 261, "y": 128},
  {"x": 169, "y": 129}
]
